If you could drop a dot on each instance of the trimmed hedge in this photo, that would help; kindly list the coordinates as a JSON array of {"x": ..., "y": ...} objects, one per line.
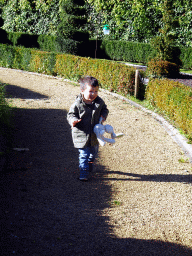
[
  {"x": 174, "y": 99},
  {"x": 106, "y": 49},
  {"x": 58, "y": 44},
  {"x": 126, "y": 51},
  {"x": 112, "y": 75}
]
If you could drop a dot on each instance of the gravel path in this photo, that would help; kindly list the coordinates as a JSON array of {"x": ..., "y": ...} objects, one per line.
[{"x": 137, "y": 202}]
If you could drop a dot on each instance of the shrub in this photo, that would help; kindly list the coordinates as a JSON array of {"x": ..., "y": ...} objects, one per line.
[
  {"x": 161, "y": 68},
  {"x": 4, "y": 109},
  {"x": 48, "y": 43},
  {"x": 174, "y": 99},
  {"x": 5, "y": 122},
  {"x": 13, "y": 37},
  {"x": 112, "y": 75},
  {"x": 6, "y": 56}
]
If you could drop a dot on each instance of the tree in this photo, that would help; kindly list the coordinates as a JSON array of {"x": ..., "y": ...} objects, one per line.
[
  {"x": 164, "y": 44},
  {"x": 183, "y": 10},
  {"x": 71, "y": 29},
  {"x": 141, "y": 20},
  {"x": 73, "y": 19},
  {"x": 34, "y": 17},
  {"x": 133, "y": 20}
]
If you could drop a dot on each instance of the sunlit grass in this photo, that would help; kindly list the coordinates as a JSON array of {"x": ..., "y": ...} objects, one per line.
[{"x": 186, "y": 71}]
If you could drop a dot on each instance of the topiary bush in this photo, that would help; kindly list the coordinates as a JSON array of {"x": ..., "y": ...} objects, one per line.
[
  {"x": 71, "y": 29},
  {"x": 160, "y": 68}
]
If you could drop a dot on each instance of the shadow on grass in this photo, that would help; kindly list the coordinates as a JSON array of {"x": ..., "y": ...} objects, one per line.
[{"x": 46, "y": 210}]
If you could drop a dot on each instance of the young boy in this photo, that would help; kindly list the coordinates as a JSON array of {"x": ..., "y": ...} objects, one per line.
[{"x": 83, "y": 115}]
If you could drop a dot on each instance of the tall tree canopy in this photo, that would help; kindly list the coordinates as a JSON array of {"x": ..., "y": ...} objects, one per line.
[
  {"x": 73, "y": 18},
  {"x": 36, "y": 17},
  {"x": 140, "y": 20},
  {"x": 133, "y": 20}
]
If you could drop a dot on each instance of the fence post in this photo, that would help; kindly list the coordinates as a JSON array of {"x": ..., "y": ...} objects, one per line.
[{"x": 136, "y": 83}]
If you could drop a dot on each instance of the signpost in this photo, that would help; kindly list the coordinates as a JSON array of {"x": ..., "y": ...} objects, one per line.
[{"x": 106, "y": 31}]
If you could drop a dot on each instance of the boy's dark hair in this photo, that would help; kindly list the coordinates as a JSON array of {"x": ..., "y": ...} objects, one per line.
[{"x": 88, "y": 80}]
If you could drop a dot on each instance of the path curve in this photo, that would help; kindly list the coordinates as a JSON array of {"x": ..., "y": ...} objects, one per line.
[{"x": 138, "y": 199}]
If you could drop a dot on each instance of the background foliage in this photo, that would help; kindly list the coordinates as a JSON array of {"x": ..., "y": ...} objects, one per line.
[
  {"x": 133, "y": 20},
  {"x": 35, "y": 17},
  {"x": 141, "y": 20}
]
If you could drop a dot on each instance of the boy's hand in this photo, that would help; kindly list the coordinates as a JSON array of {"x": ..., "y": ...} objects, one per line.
[
  {"x": 102, "y": 119},
  {"x": 76, "y": 122}
]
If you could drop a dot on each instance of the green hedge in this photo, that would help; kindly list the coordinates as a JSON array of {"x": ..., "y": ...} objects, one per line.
[
  {"x": 174, "y": 99},
  {"x": 186, "y": 57},
  {"x": 106, "y": 49},
  {"x": 127, "y": 51},
  {"x": 112, "y": 75}
]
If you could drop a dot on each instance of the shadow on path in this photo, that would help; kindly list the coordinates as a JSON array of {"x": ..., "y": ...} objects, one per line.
[
  {"x": 14, "y": 91},
  {"x": 154, "y": 177},
  {"x": 46, "y": 210}
]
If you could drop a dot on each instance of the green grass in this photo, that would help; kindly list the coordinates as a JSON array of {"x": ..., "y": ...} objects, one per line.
[
  {"x": 182, "y": 160},
  {"x": 117, "y": 203},
  {"x": 186, "y": 71}
]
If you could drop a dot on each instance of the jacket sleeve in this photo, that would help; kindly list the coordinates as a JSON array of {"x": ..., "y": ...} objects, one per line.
[
  {"x": 104, "y": 111},
  {"x": 73, "y": 114}
]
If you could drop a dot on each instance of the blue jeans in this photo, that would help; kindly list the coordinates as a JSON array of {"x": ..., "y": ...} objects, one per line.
[{"x": 87, "y": 155}]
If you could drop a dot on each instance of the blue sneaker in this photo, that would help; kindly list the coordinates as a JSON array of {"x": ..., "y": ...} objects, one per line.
[
  {"x": 83, "y": 175},
  {"x": 90, "y": 167}
]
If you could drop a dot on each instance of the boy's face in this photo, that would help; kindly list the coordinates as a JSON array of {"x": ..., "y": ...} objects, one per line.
[{"x": 90, "y": 93}]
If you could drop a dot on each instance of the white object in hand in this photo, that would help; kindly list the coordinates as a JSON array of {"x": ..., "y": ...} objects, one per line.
[{"x": 100, "y": 129}]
